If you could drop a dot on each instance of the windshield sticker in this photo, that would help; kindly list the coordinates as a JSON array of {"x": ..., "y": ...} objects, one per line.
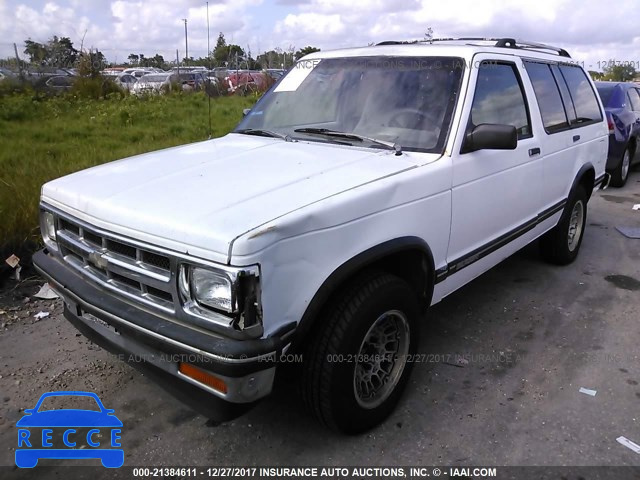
[{"x": 296, "y": 76}]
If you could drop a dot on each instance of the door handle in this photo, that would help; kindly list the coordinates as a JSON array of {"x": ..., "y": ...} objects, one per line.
[
  {"x": 534, "y": 151},
  {"x": 576, "y": 138}
]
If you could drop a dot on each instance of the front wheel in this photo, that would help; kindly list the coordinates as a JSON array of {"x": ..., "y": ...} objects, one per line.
[
  {"x": 358, "y": 364},
  {"x": 561, "y": 244}
]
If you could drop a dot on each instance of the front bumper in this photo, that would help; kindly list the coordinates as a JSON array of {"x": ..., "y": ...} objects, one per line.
[{"x": 157, "y": 346}]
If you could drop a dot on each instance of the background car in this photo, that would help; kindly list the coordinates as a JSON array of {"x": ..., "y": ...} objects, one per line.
[
  {"x": 140, "y": 72},
  {"x": 6, "y": 74},
  {"x": 246, "y": 82},
  {"x": 152, "y": 83},
  {"x": 126, "y": 81},
  {"x": 59, "y": 83},
  {"x": 622, "y": 106},
  {"x": 220, "y": 73},
  {"x": 194, "y": 80},
  {"x": 276, "y": 73},
  {"x": 112, "y": 72}
]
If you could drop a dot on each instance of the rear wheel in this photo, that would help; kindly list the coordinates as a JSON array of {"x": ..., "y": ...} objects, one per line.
[
  {"x": 620, "y": 174},
  {"x": 357, "y": 366},
  {"x": 561, "y": 244}
]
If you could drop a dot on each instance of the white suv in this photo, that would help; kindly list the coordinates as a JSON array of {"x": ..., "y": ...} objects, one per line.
[{"x": 365, "y": 186}]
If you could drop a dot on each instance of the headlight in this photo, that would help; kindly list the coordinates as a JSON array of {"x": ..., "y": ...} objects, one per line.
[
  {"x": 227, "y": 296},
  {"x": 212, "y": 289},
  {"x": 48, "y": 229}
]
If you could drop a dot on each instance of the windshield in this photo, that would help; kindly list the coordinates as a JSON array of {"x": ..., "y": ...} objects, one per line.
[{"x": 403, "y": 100}]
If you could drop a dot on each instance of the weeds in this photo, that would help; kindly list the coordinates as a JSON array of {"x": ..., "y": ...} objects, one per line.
[
  {"x": 42, "y": 139},
  {"x": 96, "y": 88}
]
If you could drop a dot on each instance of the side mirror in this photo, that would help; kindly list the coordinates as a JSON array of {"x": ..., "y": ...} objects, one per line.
[
  {"x": 245, "y": 112},
  {"x": 29, "y": 411},
  {"x": 489, "y": 136}
]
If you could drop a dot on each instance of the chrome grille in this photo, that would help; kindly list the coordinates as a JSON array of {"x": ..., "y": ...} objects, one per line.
[{"x": 130, "y": 270}]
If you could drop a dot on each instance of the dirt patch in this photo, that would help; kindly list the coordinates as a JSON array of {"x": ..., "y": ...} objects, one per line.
[
  {"x": 618, "y": 199},
  {"x": 623, "y": 281},
  {"x": 18, "y": 306}
]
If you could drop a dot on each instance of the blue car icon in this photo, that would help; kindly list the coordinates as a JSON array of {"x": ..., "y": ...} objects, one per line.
[{"x": 84, "y": 433}]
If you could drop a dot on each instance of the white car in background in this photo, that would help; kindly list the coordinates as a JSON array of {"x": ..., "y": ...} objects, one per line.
[
  {"x": 152, "y": 83},
  {"x": 126, "y": 81},
  {"x": 4, "y": 74},
  {"x": 140, "y": 72}
]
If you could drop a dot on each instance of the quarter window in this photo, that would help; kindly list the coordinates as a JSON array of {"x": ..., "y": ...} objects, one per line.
[
  {"x": 499, "y": 98},
  {"x": 582, "y": 94}
]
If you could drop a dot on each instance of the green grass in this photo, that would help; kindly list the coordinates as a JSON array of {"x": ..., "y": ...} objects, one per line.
[{"x": 42, "y": 139}]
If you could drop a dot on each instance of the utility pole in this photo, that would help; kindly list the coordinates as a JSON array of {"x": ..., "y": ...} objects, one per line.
[
  {"x": 186, "y": 44},
  {"x": 208, "y": 84},
  {"x": 15, "y": 49},
  {"x": 208, "y": 45}
]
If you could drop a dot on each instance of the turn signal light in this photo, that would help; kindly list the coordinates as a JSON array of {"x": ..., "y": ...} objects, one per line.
[{"x": 203, "y": 377}]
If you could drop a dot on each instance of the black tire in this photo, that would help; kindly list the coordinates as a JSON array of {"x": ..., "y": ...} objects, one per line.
[
  {"x": 620, "y": 175},
  {"x": 557, "y": 246},
  {"x": 330, "y": 363}
]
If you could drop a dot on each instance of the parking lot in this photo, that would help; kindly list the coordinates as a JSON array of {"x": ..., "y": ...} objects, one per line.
[{"x": 504, "y": 359}]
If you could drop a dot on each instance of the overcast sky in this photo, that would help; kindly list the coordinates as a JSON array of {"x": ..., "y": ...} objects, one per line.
[{"x": 592, "y": 30}]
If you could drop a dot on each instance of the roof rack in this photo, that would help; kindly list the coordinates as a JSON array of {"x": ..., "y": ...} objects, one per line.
[{"x": 499, "y": 42}]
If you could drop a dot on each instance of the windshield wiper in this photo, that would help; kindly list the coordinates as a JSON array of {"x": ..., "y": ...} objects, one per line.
[
  {"x": 265, "y": 133},
  {"x": 350, "y": 136}
]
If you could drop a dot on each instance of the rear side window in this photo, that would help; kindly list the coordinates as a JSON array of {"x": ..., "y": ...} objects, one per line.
[
  {"x": 635, "y": 99},
  {"x": 499, "y": 98},
  {"x": 554, "y": 117},
  {"x": 569, "y": 107},
  {"x": 583, "y": 96},
  {"x": 605, "y": 92}
]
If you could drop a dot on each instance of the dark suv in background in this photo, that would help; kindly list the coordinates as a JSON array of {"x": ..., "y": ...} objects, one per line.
[{"x": 621, "y": 102}]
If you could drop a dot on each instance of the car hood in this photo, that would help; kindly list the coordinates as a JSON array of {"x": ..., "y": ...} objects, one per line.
[
  {"x": 198, "y": 198},
  {"x": 69, "y": 418}
]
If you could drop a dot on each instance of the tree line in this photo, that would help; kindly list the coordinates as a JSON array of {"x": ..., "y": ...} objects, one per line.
[
  {"x": 59, "y": 52},
  {"x": 616, "y": 73}
]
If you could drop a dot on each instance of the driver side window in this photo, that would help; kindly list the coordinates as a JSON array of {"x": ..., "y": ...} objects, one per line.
[{"x": 499, "y": 98}]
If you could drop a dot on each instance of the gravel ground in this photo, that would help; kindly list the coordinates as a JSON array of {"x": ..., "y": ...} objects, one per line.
[{"x": 510, "y": 353}]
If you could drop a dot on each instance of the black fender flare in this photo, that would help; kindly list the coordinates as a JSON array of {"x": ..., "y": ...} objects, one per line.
[
  {"x": 586, "y": 169},
  {"x": 356, "y": 264}
]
